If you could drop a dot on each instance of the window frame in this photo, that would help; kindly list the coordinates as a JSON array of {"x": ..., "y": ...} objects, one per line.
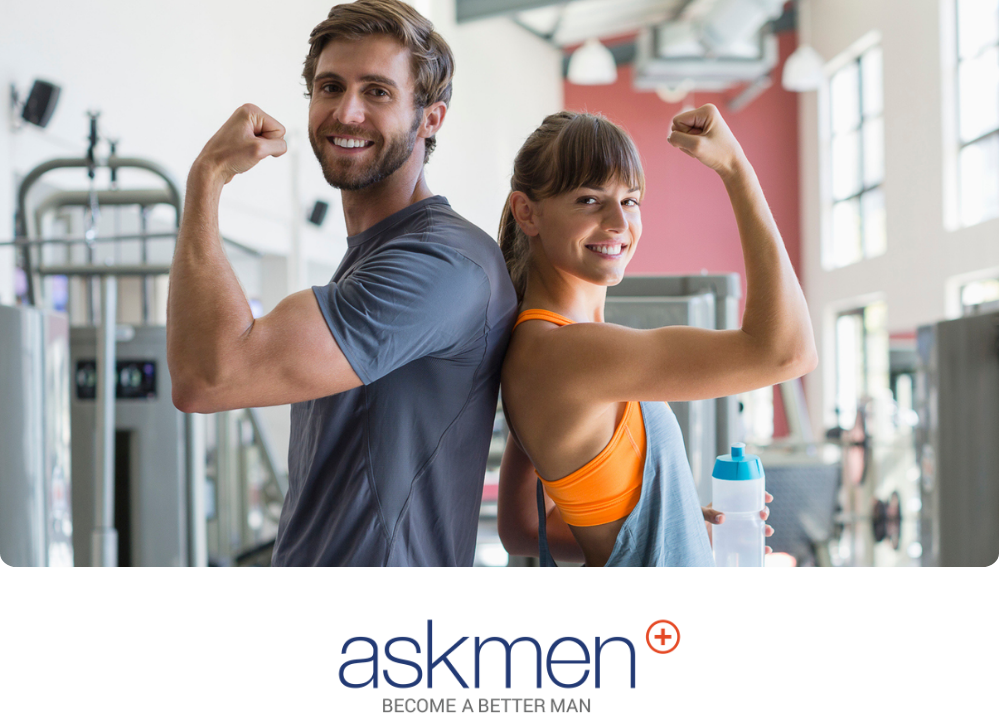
[
  {"x": 870, "y": 367},
  {"x": 851, "y": 56},
  {"x": 962, "y": 145}
]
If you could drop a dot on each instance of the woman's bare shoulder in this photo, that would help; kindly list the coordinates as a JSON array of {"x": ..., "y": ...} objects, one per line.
[
  {"x": 537, "y": 377},
  {"x": 520, "y": 367},
  {"x": 528, "y": 356}
]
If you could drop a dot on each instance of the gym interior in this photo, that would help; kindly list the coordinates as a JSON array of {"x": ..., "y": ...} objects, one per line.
[{"x": 873, "y": 126}]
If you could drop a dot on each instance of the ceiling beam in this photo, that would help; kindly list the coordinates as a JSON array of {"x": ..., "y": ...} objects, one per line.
[
  {"x": 535, "y": 33},
  {"x": 468, "y": 10}
]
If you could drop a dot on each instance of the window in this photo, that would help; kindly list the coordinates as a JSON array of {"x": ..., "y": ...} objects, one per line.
[
  {"x": 980, "y": 297},
  {"x": 978, "y": 109},
  {"x": 758, "y": 415},
  {"x": 862, "y": 367},
  {"x": 857, "y": 161}
]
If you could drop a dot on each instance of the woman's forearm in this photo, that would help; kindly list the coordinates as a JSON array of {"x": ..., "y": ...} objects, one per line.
[
  {"x": 776, "y": 314},
  {"x": 561, "y": 542}
]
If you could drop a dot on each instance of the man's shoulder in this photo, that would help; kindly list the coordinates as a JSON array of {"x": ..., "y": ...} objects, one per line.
[
  {"x": 450, "y": 249},
  {"x": 440, "y": 223}
]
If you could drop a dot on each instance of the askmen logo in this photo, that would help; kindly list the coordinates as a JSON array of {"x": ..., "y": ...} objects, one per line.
[{"x": 566, "y": 662}]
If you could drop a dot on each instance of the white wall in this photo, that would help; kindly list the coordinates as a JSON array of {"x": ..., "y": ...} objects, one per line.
[
  {"x": 166, "y": 75},
  {"x": 506, "y": 82},
  {"x": 923, "y": 253}
]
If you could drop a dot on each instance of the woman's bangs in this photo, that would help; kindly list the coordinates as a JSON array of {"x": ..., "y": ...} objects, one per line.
[{"x": 591, "y": 152}]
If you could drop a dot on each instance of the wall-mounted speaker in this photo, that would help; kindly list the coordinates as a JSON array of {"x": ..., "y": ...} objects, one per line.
[
  {"x": 41, "y": 103},
  {"x": 318, "y": 213}
]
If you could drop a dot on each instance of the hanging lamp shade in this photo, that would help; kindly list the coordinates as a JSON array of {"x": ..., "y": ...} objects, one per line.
[
  {"x": 592, "y": 64},
  {"x": 675, "y": 93},
  {"x": 803, "y": 70}
]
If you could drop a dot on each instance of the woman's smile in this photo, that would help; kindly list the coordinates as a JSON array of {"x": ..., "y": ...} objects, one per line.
[{"x": 610, "y": 251}]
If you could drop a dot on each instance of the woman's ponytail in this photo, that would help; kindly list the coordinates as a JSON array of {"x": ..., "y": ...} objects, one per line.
[{"x": 516, "y": 249}]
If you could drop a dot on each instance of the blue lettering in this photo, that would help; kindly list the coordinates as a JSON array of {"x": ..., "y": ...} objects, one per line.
[
  {"x": 509, "y": 648},
  {"x": 600, "y": 646},
  {"x": 362, "y": 679},
  {"x": 393, "y": 658},
  {"x": 373, "y": 680},
  {"x": 584, "y": 661},
  {"x": 442, "y": 659}
]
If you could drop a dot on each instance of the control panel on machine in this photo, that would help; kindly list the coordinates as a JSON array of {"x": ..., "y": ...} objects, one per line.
[{"x": 136, "y": 379}]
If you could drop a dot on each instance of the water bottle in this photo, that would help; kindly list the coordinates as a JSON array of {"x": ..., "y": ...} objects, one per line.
[{"x": 737, "y": 491}]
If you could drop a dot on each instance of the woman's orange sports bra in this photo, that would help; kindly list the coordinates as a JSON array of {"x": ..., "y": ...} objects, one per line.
[{"x": 608, "y": 487}]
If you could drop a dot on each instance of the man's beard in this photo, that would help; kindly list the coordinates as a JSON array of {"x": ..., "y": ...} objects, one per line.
[{"x": 342, "y": 173}]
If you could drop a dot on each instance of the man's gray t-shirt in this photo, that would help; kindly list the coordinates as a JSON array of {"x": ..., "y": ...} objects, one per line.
[{"x": 390, "y": 473}]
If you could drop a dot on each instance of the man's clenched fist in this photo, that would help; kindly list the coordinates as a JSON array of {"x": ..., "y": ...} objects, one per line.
[{"x": 247, "y": 137}]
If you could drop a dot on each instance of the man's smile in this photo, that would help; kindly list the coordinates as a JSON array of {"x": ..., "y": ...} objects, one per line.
[{"x": 348, "y": 142}]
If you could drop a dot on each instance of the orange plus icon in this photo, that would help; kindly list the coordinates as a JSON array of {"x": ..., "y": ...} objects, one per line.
[{"x": 662, "y": 637}]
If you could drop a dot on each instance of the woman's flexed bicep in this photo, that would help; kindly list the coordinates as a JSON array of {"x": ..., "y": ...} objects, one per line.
[{"x": 611, "y": 363}]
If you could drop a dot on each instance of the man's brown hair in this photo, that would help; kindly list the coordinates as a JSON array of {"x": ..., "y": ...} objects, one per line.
[{"x": 431, "y": 58}]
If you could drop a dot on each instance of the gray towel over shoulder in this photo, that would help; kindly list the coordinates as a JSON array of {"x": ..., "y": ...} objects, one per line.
[{"x": 666, "y": 528}]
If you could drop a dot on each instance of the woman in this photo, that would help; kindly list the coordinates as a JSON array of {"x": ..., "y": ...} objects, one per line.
[{"x": 585, "y": 399}]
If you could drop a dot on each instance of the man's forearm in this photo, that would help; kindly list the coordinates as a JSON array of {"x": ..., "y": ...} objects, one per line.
[{"x": 207, "y": 311}]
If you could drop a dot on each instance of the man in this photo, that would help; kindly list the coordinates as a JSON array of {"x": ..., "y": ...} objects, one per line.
[{"x": 393, "y": 368}]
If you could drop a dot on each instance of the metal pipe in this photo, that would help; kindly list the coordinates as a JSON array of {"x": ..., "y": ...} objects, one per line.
[
  {"x": 23, "y": 241},
  {"x": 750, "y": 93},
  {"x": 147, "y": 281},
  {"x": 93, "y": 138},
  {"x": 223, "y": 486},
  {"x": 81, "y": 198},
  {"x": 194, "y": 429},
  {"x": 92, "y": 289},
  {"x": 89, "y": 232},
  {"x": 101, "y": 270},
  {"x": 60, "y": 163},
  {"x": 104, "y": 541}
]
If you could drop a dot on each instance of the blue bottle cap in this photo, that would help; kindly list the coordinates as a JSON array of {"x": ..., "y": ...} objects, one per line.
[{"x": 737, "y": 465}]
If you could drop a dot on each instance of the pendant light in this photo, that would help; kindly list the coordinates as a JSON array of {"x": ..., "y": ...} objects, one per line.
[
  {"x": 804, "y": 68},
  {"x": 592, "y": 64}
]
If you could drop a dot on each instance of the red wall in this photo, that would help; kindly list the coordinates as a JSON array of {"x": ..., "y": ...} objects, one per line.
[
  {"x": 686, "y": 214},
  {"x": 687, "y": 218}
]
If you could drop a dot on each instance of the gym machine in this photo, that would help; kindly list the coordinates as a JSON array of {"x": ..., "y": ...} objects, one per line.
[
  {"x": 957, "y": 400},
  {"x": 150, "y": 485}
]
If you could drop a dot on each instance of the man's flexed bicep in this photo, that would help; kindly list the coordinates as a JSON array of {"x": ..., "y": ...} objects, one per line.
[
  {"x": 411, "y": 301},
  {"x": 287, "y": 356},
  {"x": 219, "y": 356}
]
